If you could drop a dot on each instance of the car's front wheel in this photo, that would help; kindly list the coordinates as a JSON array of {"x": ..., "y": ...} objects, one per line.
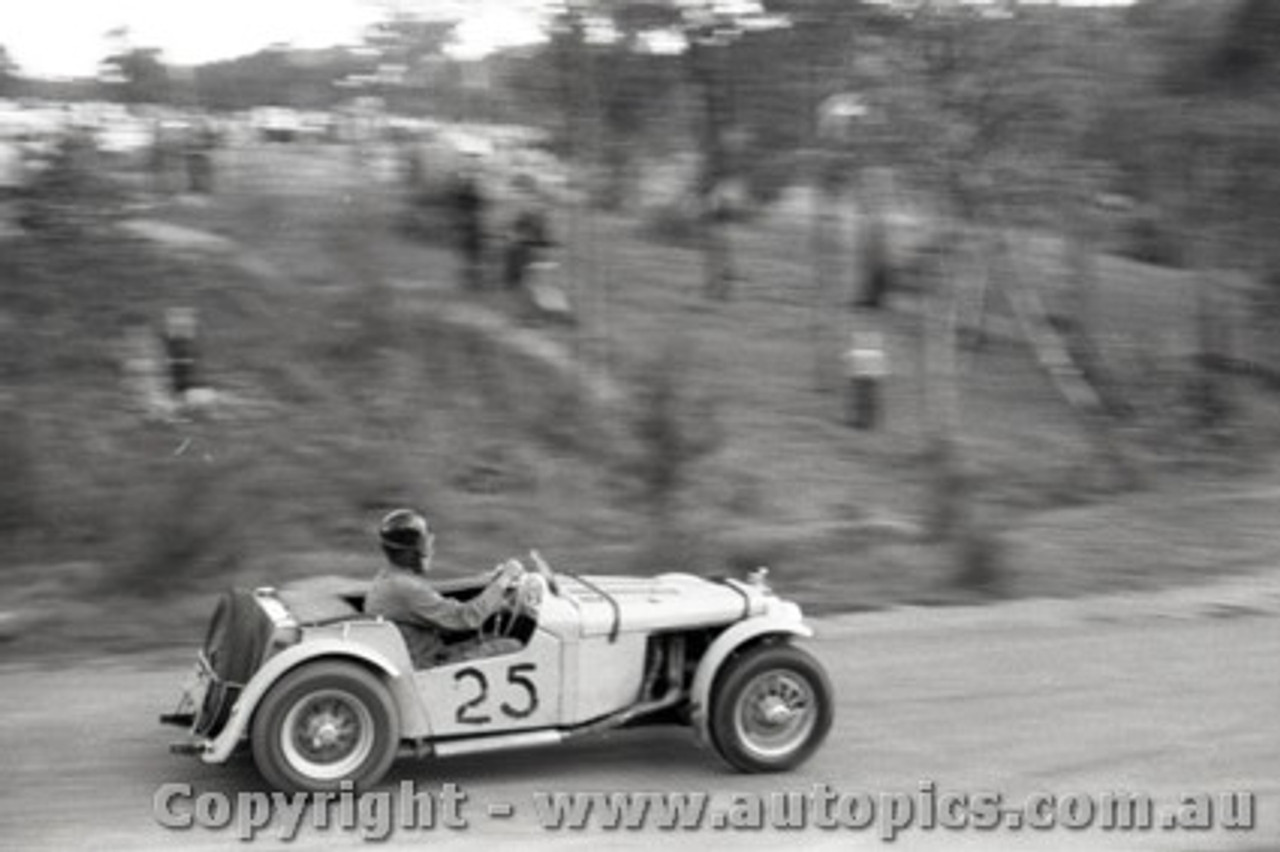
[
  {"x": 771, "y": 708},
  {"x": 325, "y": 723}
]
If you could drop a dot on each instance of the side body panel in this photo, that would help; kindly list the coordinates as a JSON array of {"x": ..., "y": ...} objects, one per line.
[
  {"x": 609, "y": 675},
  {"x": 510, "y": 692},
  {"x": 561, "y": 678}
]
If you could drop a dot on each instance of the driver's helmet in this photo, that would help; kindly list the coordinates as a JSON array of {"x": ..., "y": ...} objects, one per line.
[{"x": 404, "y": 535}]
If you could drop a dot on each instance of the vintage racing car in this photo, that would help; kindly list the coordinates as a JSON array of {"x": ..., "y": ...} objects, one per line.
[{"x": 323, "y": 693}]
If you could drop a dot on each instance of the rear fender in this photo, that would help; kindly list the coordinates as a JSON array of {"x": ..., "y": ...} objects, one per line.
[
  {"x": 740, "y": 635},
  {"x": 396, "y": 672}
]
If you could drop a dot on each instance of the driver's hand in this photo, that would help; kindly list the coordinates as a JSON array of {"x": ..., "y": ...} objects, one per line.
[{"x": 508, "y": 572}]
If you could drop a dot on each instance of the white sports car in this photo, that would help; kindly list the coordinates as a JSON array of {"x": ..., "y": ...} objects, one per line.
[{"x": 324, "y": 693}]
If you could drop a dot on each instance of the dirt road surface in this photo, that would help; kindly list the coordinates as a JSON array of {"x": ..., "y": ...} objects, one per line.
[{"x": 1016, "y": 699}]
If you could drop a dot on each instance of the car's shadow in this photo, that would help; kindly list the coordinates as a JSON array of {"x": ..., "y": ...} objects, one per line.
[
  {"x": 599, "y": 758},
  {"x": 237, "y": 775},
  {"x": 596, "y": 759}
]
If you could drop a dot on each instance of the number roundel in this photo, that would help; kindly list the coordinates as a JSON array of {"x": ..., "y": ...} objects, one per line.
[{"x": 524, "y": 698}]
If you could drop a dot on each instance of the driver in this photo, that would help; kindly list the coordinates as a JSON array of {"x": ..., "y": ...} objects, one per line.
[{"x": 401, "y": 594}]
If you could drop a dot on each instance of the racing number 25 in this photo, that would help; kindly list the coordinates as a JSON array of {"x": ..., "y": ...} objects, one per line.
[{"x": 468, "y": 713}]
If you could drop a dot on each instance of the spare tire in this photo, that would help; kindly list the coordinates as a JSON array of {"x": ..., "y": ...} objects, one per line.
[{"x": 234, "y": 646}]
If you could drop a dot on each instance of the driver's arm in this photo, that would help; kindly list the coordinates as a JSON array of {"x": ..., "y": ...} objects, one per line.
[{"x": 428, "y": 606}]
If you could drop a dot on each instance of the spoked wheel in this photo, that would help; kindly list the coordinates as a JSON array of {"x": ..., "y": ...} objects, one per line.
[
  {"x": 771, "y": 708},
  {"x": 325, "y": 723}
]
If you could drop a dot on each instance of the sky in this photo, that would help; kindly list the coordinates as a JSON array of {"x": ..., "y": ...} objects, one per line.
[{"x": 69, "y": 37}]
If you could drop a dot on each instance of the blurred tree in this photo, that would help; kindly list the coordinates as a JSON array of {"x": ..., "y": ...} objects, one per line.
[
  {"x": 987, "y": 104},
  {"x": 1248, "y": 52},
  {"x": 8, "y": 72},
  {"x": 674, "y": 425},
  {"x": 805, "y": 109},
  {"x": 137, "y": 76},
  {"x": 605, "y": 94},
  {"x": 411, "y": 73},
  {"x": 711, "y": 34},
  {"x": 623, "y": 67},
  {"x": 1210, "y": 114},
  {"x": 280, "y": 76},
  {"x": 404, "y": 37},
  {"x": 399, "y": 61}
]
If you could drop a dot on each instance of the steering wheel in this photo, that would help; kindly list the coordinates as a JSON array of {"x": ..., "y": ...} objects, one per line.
[{"x": 520, "y": 598}]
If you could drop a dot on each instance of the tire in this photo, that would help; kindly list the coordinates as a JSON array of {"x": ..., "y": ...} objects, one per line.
[
  {"x": 771, "y": 708},
  {"x": 339, "y": 701},
  {"x": 234, "y": 643}
]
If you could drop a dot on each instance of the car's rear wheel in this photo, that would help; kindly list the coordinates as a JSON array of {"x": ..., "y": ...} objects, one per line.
[
  {"x": 325, "y": 723},
  {"x": 771, "y": 708}
]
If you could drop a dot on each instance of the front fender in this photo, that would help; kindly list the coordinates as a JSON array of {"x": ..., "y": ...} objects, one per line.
[
  {"x": 784, "y": 621},
  {"x": 397, "y": 672}
]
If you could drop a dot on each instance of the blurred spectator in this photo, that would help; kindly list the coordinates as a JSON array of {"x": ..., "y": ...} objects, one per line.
[
  {"x": 160, "y": 158},
  {"x": 144, "y": 376},
  {"x": 530, "y": 234},
  {"x": 199, "y": 142},
  {"x": 183, "y": 353},
  {"x": 875, "y": 271},
  {"x": 468, "y": 202},
  {"x": 12, "y": 171},
  {"x": 12, "y": 179},
  {"x": 866, "y": 367}
]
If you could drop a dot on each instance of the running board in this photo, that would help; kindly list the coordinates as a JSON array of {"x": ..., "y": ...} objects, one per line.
[
  {"x": 478, "y": 744},
  {"x": 503, "y": 741}
]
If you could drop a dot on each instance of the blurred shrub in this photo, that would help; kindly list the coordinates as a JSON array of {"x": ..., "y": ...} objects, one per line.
[
  {"x": 673, "y": 428},
  {"x": 1144, "y": 238},
  {"x": 19, "y": 497},
  {"x": 184, "y": 531},
  {"x": 1266, "y": 298},
  {"x": 980, "y": 561},
  {"x": 950, "y": 492},
  {"x": 770, "y": 176},
  {"x": 669, "y": 547},
  {"x": 493, "y": 468},
  {"x": 71, "y": 194},
  {"x": 674, "y": 222},
  {"x": 428, "y": 215},
  {"x": 563, "y": 420}
]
